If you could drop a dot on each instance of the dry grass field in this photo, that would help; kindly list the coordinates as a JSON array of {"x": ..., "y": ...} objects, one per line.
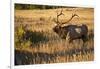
[{"x": 37, "y": 43}]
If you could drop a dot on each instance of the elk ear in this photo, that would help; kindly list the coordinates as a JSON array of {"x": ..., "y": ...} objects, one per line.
[{"x": 55, "y": 24}]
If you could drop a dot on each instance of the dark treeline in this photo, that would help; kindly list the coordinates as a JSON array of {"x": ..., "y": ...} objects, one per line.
[{"x": 30, "y": 6}]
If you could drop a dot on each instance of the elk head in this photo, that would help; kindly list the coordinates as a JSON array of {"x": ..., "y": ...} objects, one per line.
[{"x": 58, "y": 28}]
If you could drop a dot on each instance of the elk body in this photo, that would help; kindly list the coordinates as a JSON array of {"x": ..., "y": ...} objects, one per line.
[{"x": 71, "y": 32}]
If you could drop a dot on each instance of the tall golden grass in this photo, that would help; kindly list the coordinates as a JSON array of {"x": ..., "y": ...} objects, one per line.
[{"x": 37, "y": 43}]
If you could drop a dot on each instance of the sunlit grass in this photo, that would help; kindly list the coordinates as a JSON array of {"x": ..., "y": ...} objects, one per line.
[{"x": 36, "y": 43}]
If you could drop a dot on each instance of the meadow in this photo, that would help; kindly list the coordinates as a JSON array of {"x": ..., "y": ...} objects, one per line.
[{"x": 36, "y": 42}]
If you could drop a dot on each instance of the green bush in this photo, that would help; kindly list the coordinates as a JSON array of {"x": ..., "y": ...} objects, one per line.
[{"x": 19, "y": 37}]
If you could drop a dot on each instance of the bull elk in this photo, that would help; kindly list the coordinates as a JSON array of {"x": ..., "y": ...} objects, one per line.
[{"x": 71, "y": 32}]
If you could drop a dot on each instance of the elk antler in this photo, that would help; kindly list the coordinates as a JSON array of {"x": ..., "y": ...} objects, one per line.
[
  {"x": 57, "y": 21},
  {"x": 73, "y": 15}
]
